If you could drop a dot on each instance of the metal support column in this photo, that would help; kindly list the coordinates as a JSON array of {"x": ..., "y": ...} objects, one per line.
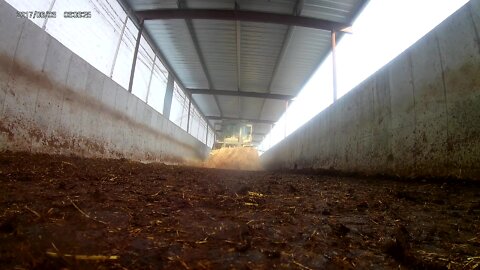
[
  {"x": 150, "y": 80},
  {"x": 118, "y": 46},
  {"x": 44, "y": 26},
  {"x": 135, "y": 53},
  {"x": 167, "y": 100},
  {"x": 334, "y": 62}
]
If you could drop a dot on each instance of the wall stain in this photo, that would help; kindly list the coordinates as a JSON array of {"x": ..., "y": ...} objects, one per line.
[
  {"x": 20, "y": 73},
  {"x": 444, "y": 144}
]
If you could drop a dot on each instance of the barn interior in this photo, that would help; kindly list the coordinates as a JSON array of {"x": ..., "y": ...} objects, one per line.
[{"x": 130, "y": 129}]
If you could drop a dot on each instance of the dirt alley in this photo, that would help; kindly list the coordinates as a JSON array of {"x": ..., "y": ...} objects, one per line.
[{"x": 156, "y": 216}]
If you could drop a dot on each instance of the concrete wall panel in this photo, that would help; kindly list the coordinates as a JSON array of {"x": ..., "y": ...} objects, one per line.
[
  {"x": 401, "y": 95},
  {"x": 147, "y": 115},
  {"x": 32, "y": 47},
  {"x": 10, "y": 30},
  {"x": 109, "y": 93},
  {"x": 22, "y": 89},
  {"x": 475, "y": 14},
  {"x": 72, "y": 103},
  {"x": 427, "y": 80},
  {"x": 431, "y": 155},
  {"x": 78, "y": 70},
  {"x": 48, "y": 110},
  {"x": 139, "y": 110},
  {"x": 417, "y": 116},
  {"x": 402, "y": 147},
  {"x": 461, "y": 61},
  {"x": 93, "y": 93},
  {"x": 381, "y": 122},
  {"x": 53, "y": 101}
]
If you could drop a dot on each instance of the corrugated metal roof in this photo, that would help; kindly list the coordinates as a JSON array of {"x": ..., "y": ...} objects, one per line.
[
  {"x": 217, "y": 43},
  {"x": 272, "y": 6},
  {"x": 151, "y": 4},
  {"x": 304, "y": 52},
  {"x": 260, "y": 46},
  {"x": 245, "y": 56},
  {"x": 174, "y": 40},
  {"x": 332, "y": 10}
]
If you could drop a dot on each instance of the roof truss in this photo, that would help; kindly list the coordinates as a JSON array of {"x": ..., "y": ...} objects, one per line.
[
  {"x": 240, "y": 15},
  {"x": 240, "y": 94},
  {"x": 258, "y": 121}
]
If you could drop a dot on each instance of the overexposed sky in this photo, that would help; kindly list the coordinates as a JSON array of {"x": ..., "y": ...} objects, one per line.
[{"x": 383, "y": 30}]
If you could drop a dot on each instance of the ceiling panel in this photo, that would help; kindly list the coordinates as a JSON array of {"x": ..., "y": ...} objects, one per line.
[
  {"x": 251, "y": 107},
  {"x": 229, "y": 105},
  {"x": 217, "y": 41},
  {"x": 207, "y": 104},
  {"x": 260, "y": 46},
  {"x": 174, "y": 41},
  {"x": 273, "y": 6},
  {"x": 337, "y": 11},
  {"x": 151, "y": 4},
  {"x": 305, "y": 50},
  {"x": 273, "y": 109},
  {"x": 246, "y": 56}
]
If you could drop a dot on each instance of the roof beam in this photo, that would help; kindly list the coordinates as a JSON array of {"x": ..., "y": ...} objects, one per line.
[
  {"x": 258, "y": 121},
  {"x": 297, "y": 10},
  {"x": 202, "y": 60},
  {"x": 240, "y": 15},
  {"x": 239, "y": 94},
  {"x": 286, "y": 42},
  {"x": 181, "y": 5},
  {"x": 157, "y": 50}
]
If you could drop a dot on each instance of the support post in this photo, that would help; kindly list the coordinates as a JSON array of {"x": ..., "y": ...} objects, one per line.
[
  {"x": 167, "y": 100},
  {"x": 44, "y": 26},
  {"x": 118, "y": 46},
  {"x": 135, "y": 53},
  {"x": 334, "y": 62},
  {"x": 150, "y": 80}
]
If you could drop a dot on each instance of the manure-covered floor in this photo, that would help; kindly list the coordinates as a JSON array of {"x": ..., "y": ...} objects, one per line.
[{"x": 75, "y": 213}]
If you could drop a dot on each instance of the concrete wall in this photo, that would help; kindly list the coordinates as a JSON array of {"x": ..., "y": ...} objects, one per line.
[
  {"x": 417, "y": 116},
  {"x": 53, "y": 101}
]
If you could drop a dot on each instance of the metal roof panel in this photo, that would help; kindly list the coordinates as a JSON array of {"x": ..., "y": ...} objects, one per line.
[
  {"x": 175, "y": 42},
  {"x": 206, "y": 104},
  {"x": 218, "y": 45},
  {"x": 261, "y": 56},
  {"x": 333, "y": 10},
  {"x": 151, "y": 4},
  {"x": 260, "y": 46},
  {"x": 303, "y": 55}
]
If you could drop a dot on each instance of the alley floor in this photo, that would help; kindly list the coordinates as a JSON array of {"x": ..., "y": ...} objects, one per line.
[{"x": 76, "y": 213}]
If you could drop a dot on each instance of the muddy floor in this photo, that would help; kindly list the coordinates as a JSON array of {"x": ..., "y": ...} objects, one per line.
[{"x": 68, "y": 212}]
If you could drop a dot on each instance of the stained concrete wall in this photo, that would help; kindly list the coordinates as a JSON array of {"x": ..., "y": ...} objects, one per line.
[
  {"x": 53, "y": 101},
  {"x": 417, "y": 116}
]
